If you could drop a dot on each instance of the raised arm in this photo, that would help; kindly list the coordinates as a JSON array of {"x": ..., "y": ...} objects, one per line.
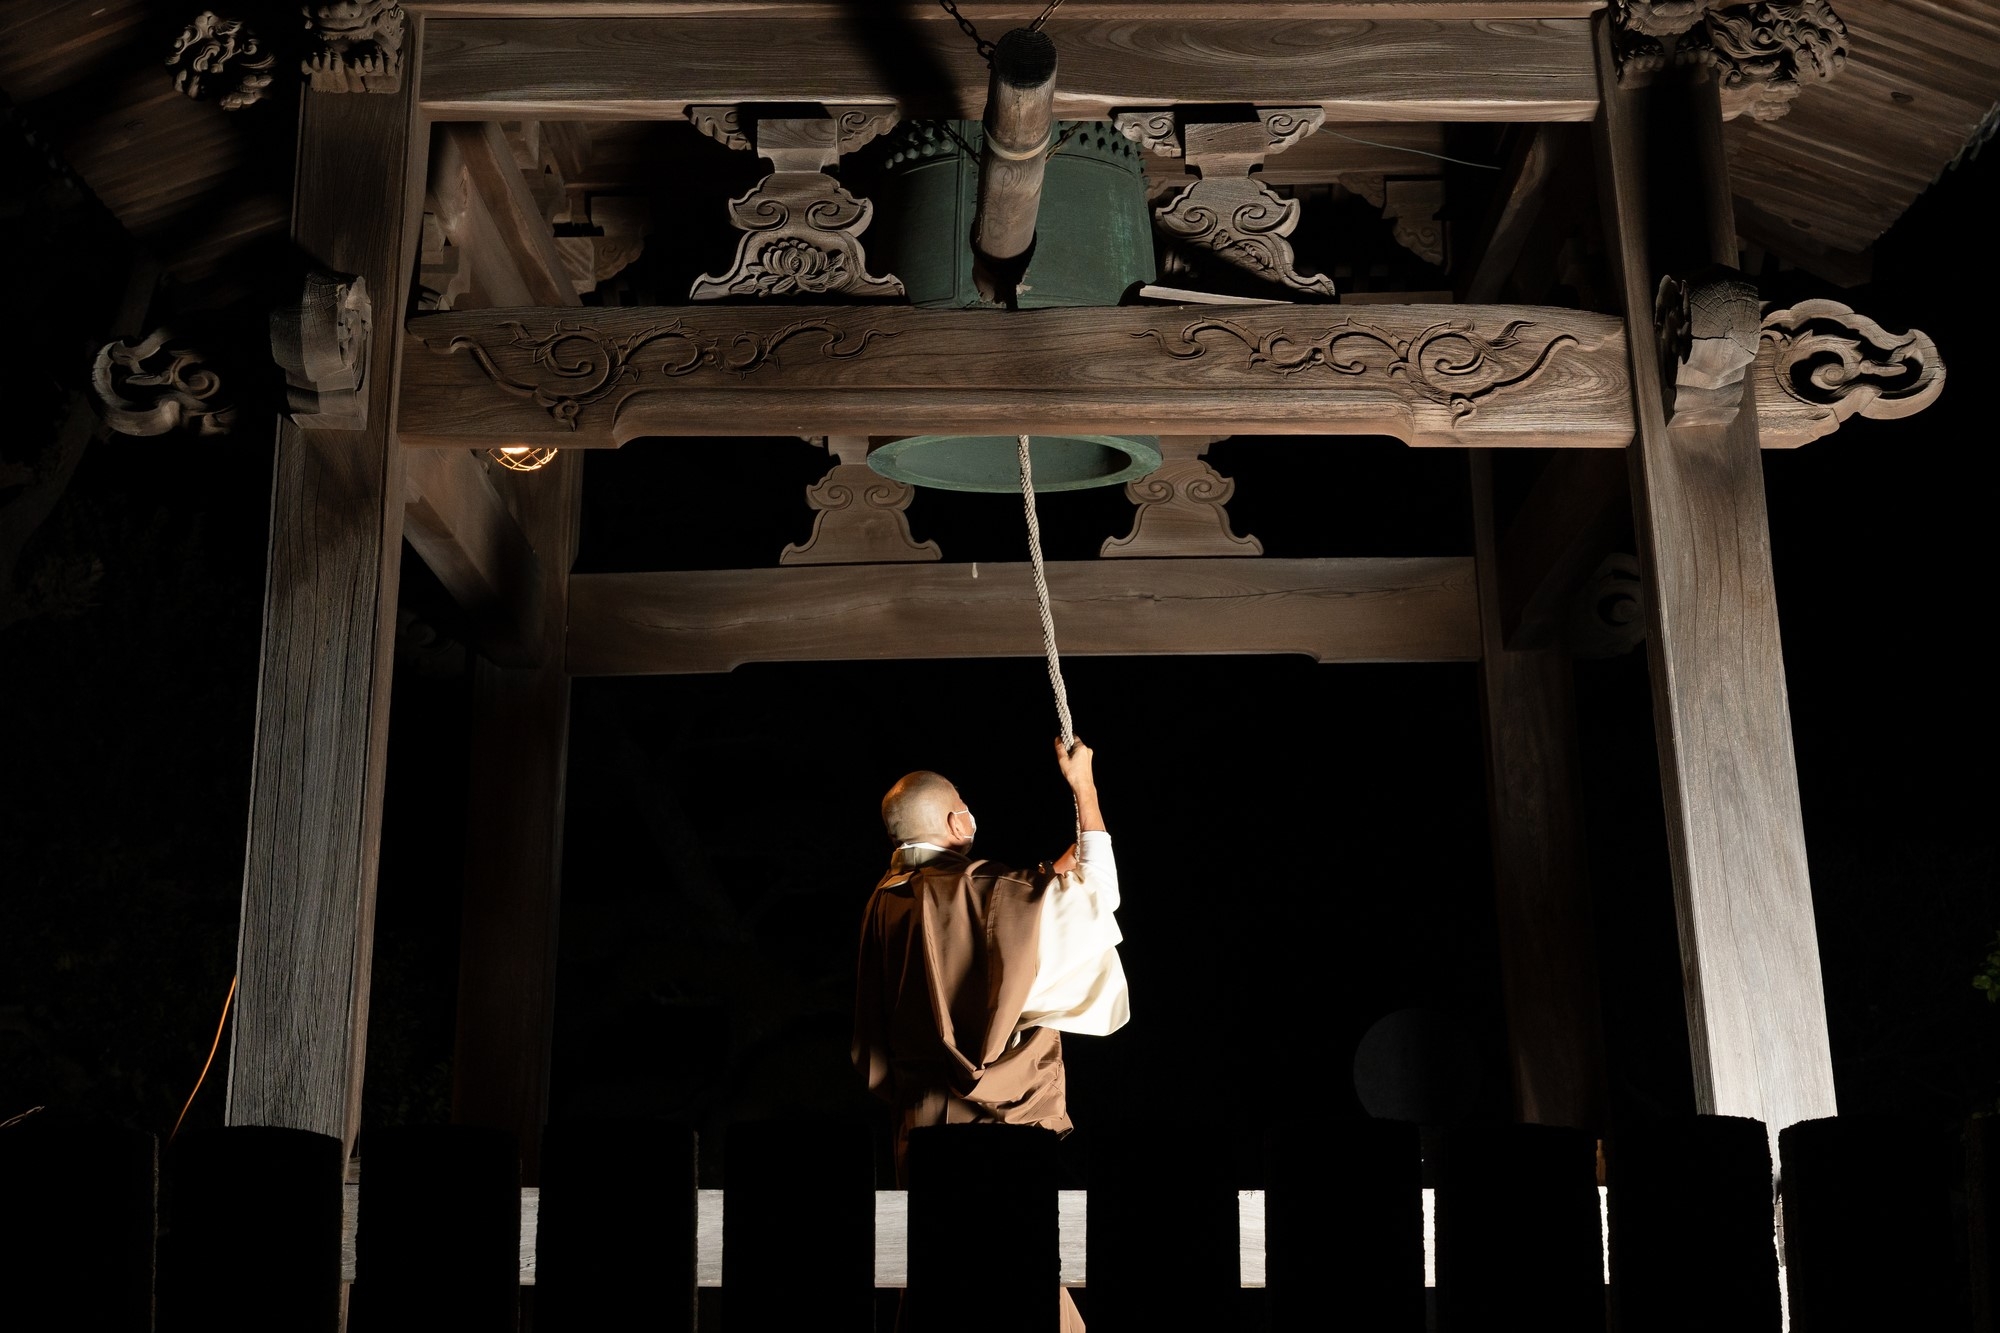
[{"x": 1076, "y": 770}]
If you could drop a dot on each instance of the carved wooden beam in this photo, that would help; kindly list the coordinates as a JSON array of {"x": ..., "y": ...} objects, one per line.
[
  {"x": 457, "y": 520},
  {"x": 357, "y": 46},
  {"x": 1429, "y": 375},
  {"x": 1224, "y": 210},
  {"x": 1819, "y": 363},
  {"x": 322, "y": 343},
  {"x": 1355, "y": 68},
  {"x": 1411, "y": 610},
  {"x": 521, "y": 233}
]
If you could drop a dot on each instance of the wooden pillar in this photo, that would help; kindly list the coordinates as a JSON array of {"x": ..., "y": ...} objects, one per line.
[
  {"x": 1548, "y": 958},
  {"x": 329, "y": 628},
  {"x": 1749, "y": 956},
  {"x": 520, "y": 750}
]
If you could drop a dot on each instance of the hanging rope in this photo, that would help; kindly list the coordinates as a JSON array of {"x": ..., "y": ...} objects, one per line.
[{"x": 1042, "y": 598}]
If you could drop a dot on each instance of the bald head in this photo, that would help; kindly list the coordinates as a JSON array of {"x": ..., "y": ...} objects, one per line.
[{"x": 917, "y": 808}]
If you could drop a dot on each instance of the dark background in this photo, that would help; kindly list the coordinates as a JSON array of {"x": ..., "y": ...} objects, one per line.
[{"x": 1303, "y": 848}]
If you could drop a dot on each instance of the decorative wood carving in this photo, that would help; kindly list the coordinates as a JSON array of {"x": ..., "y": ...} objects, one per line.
[
  {"x": 1608, "y": 617},
  {"x": 322, "y": 345},
  {"x": 858, "y": 514},
  {"x": 1708, "y": 335},
  {"x": 1820, "y": 363},
  {"x": 358, "y": 46},
  {"x": 156, "y": 385},
  {"x": 1762, "y": 52},
  {"x": 1181, "y": 507},
  {"x": 1427, "y": 374},
  {"x": 221, "y": 60},
  {"x": 1414, "y": 205},
  {"x": 1450, "y": 363},
  {"x": 801, "y": 227},
  {"x": 1224, "y": 210}
]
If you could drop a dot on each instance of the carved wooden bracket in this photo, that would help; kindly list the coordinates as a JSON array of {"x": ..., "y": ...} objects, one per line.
[
  {"x": 858, "y": 516},
  {"x": 801, "y": 227},
  {"x": 1414, "y": 205},
  {"x": 1820, "y": 363},
  {"x": 1224, "y": 209},
  {"x": 220, "y": 60},
  {"x": 357, "y": 46},
  {"x": 156, "y": 385},
  {"x": 1708, "y": 336},
  {"x": 322, "y": 345},
  {"x": 1763, "y": 53},
  {"x": 1181, "y": 507},
  {"x": 1608, "y": 617}
]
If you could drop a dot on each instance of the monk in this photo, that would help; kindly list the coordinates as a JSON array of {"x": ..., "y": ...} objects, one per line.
[{"x": 971, "y": 972}]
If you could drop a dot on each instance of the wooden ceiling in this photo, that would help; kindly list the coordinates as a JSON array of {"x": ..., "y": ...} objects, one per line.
[{"x": 199, "y": 185}]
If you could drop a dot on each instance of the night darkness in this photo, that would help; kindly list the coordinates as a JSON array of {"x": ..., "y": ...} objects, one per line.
[{"x": 1303, "y": 848}]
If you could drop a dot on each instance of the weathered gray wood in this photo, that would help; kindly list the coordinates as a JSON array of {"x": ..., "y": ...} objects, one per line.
[
  {"x": 1756, "y": 1010},
  {"x": 520, "y": 231},
  {"x": 456, "y": 520},
  {"x": 1356, "y": 68},
  {"x": 1394, "y": 610},
  {"x": 1548, "y": 953},
  {"x": 1515, "y": 213},
  {"x": 513, "y": 879},
  {"x": 1020, "y": 127},
  {"x": 1429, "y": 375},
  {"x": 1571, "y": 519},
  {"x": 986, "y": 12},
  {"x": 303, "y": 954}
]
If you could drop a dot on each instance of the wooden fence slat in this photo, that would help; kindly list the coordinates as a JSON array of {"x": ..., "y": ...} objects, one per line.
[
  {"x": 1693, "y": 1195},
  {"x": 76, "y": 1227},
  {"x": 1519, "y": 1241},
  {"x": 982, "y": 1247},
  {"x": 1162, "y": 1201},
  {"x": 1868, "y": 1233},
  {"x": 1982, "y": 1178},
  {"x": 1344, "y": 1225},
  {"x": 616, "y": 1234},
  {"x": 251, "y": 1234},
  {"x": 798, "y": 1231},
  {"x": 438, "y": 1243}
]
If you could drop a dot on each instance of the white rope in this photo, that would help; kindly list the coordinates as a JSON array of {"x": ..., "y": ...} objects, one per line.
[{"x": 1042, "y": 599}]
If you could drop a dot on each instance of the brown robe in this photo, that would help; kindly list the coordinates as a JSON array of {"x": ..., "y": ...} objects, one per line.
[{"x": 949, "y": 951}]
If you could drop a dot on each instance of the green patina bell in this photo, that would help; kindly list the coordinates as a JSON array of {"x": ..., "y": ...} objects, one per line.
[{"x": 1093, "y": 245}]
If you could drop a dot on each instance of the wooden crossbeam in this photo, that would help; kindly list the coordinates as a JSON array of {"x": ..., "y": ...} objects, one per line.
[
  {"x": 457, "y": 521},
  {"x": 1428, "y": 375},
  {"x": 1358, "y": 66},
  {"x": 1351, "y": 610}
]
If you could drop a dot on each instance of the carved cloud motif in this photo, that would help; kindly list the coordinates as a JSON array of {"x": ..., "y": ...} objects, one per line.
[
  {"x": 155, "y": 385},
  {"x": 1826, "y": 363}
]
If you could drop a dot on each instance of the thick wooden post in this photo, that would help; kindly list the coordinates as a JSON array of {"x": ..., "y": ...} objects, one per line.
[
  {"x": 329, "y": 628},
  {"x": 520, "y": 750},
  {"x": 1750, "y": 959},
  {"x": 1020, "y": 116},
  {"x": 1548, "y": 959}
]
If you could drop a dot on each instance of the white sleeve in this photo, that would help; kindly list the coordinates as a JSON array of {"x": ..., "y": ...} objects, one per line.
[{"x": 1079, "y": 981}]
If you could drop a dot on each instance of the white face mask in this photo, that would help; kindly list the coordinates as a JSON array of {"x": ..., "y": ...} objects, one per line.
[{"x": 970, "y": 819}]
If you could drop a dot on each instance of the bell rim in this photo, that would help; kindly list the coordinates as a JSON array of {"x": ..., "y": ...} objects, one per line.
[{"x": 1142, "y": 454}]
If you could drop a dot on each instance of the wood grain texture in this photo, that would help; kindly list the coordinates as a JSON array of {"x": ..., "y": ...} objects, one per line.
[
  {"x": 1429, "y": 375},
  {"x": 1357, "y": 69},
  {"x": 1572, "y": 516},
  {"x": 1749, "y": 955},
  {"x": 1006, "y": 12},
  {"x": 1353, "y": 610},
  {"x": 520, "y": 230},
  {"x": 456, "y": 520},
  {"x": 306, "y": 938},
  {"x": 513, "y": 879},
  {"x": 1548, "y": 950}
]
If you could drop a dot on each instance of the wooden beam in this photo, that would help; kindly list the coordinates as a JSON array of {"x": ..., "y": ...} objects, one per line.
[
  {"x": 513, "y": 880},
  {"x": 1569, "y": 522},
  {"x": 622, "y": 67},
  {"x": 1394, "y": 610},
  {"x": 1428, "y": 375},
  {"x": 306, "y": 938},
  {"x": 1005, "y": 11},
  {"x": 526, "y": 243},
  {"x": 1548, "y": 950},
  {"x": 1756, "y": 1008},
  {"x": 454, "y": 517},
  {"x": 1516, "y": 211}
]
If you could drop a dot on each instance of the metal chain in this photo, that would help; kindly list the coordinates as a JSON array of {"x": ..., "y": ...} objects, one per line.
[{"x": 984, "y": 47}]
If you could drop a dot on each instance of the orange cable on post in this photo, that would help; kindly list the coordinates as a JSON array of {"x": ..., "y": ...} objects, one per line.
[{"x": 213, "y": 1047}]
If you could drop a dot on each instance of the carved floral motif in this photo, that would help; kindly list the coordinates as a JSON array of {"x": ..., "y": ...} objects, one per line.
[
  {"x": 575, "y": 366},
  {"x": 802, "y": 238},
  {"x": 156, "y": 385},
  {"x": 1451, "y": 364},
  {"x": 358, "y": 46},
  {"x": 1821, "y": 363},
  {"x": 220, "y": 59}
]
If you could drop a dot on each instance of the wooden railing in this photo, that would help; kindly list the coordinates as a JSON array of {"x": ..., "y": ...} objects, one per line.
[{"x": 244, "y": 1229}]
